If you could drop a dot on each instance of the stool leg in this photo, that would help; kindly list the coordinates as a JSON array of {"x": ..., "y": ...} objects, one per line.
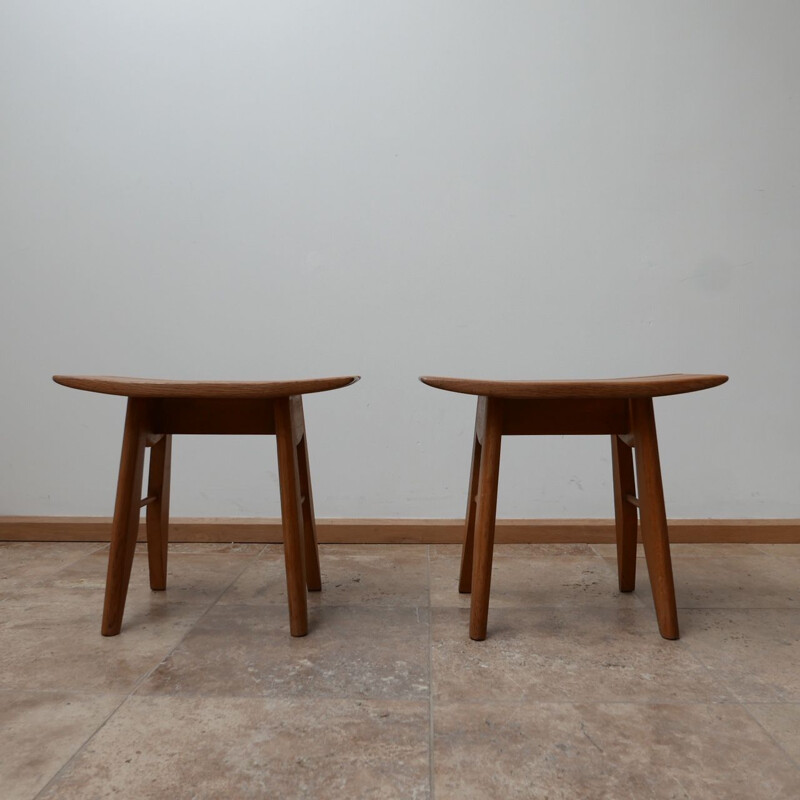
[
  {"x": 485, "y": 519},
  {"x": 625, "y": 513},
  {"x": 465, "y": 575},
  {"x": 313, "y": 577},
  {"x": 654, "y": 518},
  {"x": 158, "y": 511},
  {"x": 291, "y": 514},
  {"x": 125, "y": 526}
]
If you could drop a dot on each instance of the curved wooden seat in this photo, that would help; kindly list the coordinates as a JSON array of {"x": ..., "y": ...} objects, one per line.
[
  {"x": 644, "y": 386},
  {"x": 154, "y": 387}
]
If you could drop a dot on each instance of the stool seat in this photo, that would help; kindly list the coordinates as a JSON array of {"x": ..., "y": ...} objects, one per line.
[
  {"x": 155, "y": 387},
  {"x": 619, "y": 407},
  {"x": 643, "y": 386},
  {"x": 158, "y": 409}
]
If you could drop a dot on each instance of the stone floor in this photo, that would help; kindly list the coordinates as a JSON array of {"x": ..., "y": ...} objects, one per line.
[{"x": 574, "y": 694}]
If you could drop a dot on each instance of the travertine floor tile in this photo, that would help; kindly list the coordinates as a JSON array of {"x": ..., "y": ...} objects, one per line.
[
  {"x": 203, "y": 548},
  {"x": 607, "y": 752},
  {"x": 379, "y": 552},
  {"x": 58, "y": 646},
  {"x": 780, "y": 550},
  {"x": 573, "y": 695},
  {"x": 271, "y": 551},
  {"x": 207, "y": 548},
  {"x": 570, "y": 654},
  {"x": 727, "y": 582},
  {"x": 351, "y": 575},
  {"x": 24, "y": 562},
  {"x": 689, "y": 550},
  {"x": 41, "y": 557},
  {"x": 191, "y": 578},
  {"x": 350, "y": 651},
  {"x": 533, "y": 550},
  {"x": 782, "y": 722},
  {"x": 754, "y": 653},
  {"x": 550, "y": 581},
  {"x": 211, "y": 748},
  {"x": 40, "y": 732}
]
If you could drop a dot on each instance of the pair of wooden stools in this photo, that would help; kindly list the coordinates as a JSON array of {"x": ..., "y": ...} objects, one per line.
[{"x": 623, "y": 408}]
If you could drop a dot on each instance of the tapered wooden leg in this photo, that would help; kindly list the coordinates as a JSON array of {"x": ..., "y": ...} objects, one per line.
[
  {"x": 291, "y": 514},
  {"x": 313, "y": 578},
  {"x": 158, "y": 511},
  {"x": 485, "y": 519},
  {"x": 654, "y": 518},
  {"x": 465, "y": 576},
  {"x": 126, "y": 516},
  {"x": 625, "y": 512}
]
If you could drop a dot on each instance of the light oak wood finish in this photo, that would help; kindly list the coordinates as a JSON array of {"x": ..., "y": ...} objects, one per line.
[
  {"x": 125, "y": 526},
  {"x": 485, "y": 513},
  {"x": 465, "y": 574},
  {"x": 293, "y": 539},
  {"x": 158, "y": 409},
  {"x": 158, "y": 387},
  {"x": 621, "y": 407},
  {"x": 158, "y": 510},
  {"x": 643, "y": 386},
  {"x": 627, "y": 518},
  {"x": 653, "y": 515},
  {"x": 313, "y": 576}
]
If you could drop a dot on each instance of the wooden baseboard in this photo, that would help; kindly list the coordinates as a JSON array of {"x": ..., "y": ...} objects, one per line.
[{"x": 399, "y": 531}]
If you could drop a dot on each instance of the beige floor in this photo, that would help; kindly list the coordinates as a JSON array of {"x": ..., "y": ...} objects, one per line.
[{"x": 573, "y": 695}]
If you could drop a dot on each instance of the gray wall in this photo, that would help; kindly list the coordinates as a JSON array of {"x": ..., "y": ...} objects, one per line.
[{"x": 502, "y": 189}]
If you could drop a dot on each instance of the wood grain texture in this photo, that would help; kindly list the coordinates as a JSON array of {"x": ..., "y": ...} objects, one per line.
[
  {"x": 155, "y": 387},
  {"x": 313, "y": 575},
  {"x": 157, "y": 514},
  {"x": 157, "y": 409},
  {"x": 213, "y": 415},
  {"x": 655, "y": 534},
  {"x": 125, "y": 527},
  {"x": 292, "y": 516},
  {"x": 465, "y": 572},
  {"x": 485, "y": 513},
  {"x": 627, "y": 518},
  {"x": 571, "y": 416},
  {"x": 644, "y": 386},
  {"x": 401, "y": 531}
]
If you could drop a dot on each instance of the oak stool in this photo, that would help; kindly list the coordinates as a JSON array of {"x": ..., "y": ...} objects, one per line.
[
  {"x": 621, "y": 407},
  {"x": 156, "y": 410}
]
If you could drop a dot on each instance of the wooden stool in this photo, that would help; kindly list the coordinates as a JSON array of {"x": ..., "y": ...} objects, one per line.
[
  {"x": 622, "y": 408},
  {"x": 156, "y": 410}
]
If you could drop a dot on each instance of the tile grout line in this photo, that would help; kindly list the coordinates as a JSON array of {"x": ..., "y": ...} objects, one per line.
[
  {"x": 251, "y": 560},
  {"x": 430, "y": 682},
  {"x": 476, "y": 703},
  {"x": 138, "y": 683},
  {"x": 81, "y": 748},
  {"x": 193, "y": 625},
  {"x": 737, "y": 701},
  {"x": 755, "y": 719}
]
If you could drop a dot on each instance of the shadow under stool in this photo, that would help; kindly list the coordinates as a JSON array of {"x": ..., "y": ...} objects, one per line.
[
  {"x": 156, "y": 410},
  {"x": 620, "y": 407}
]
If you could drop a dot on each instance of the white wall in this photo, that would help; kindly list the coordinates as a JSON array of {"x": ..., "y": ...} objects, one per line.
[{"x": 504, "y": 189}]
